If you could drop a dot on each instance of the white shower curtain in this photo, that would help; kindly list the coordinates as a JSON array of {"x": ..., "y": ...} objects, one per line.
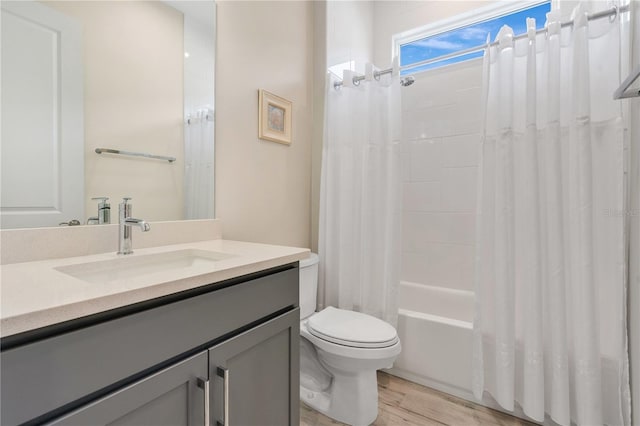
[
  {"x": 199, "y": 161},
  {"x": 360, "y": 198},
  {"x": 550, "y": 320}
]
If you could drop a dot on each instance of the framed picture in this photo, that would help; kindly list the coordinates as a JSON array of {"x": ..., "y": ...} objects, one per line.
[{"x": 274, "y": 118}]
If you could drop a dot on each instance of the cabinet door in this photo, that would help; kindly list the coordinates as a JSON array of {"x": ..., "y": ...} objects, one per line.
[
  {"x": 255, "y": 376},
  {"x": 170, "y": 397}
]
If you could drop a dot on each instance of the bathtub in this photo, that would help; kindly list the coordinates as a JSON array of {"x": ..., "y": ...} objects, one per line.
[{"x": 435, "y": 327}]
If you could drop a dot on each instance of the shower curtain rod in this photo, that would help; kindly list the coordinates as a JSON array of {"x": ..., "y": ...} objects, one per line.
[{"x": 614, "y": 11}]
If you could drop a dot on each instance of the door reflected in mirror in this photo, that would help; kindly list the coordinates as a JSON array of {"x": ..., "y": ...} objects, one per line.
[{"x": 131, "y": 76}]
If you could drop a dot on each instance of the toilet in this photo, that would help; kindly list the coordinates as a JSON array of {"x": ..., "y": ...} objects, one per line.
[{"x": 340, "y": 352}]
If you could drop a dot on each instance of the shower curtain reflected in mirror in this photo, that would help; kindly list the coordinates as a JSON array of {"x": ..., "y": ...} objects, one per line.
[
  {"x": 550, "y": 321},
  {"x": 199, "y": 163},
  {"x": 360, "y": 198}
]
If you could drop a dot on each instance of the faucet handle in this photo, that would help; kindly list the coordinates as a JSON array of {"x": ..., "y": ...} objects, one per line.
[
  {"x": 103, "y": 199},
  {"x": 125, "y": 208}
]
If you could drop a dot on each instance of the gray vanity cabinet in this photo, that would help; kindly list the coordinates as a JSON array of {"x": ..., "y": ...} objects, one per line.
[
  {"x": 254, "y": 375},
  {"x": 141, "y": 365},
  {"x": 170, "y": 397}
]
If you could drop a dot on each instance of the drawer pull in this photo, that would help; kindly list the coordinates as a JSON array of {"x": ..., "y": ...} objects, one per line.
[
  {"x": 224, "y": 373},
  {"x": 204, "y": 385}
]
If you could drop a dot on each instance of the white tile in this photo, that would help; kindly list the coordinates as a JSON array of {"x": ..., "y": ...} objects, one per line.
[
  {"x": 458, "y": 189},
  {"x": 470, "y": 96},
  {"x": 459, "y": 228},
  {"x": 435, "y": 122},
  {"x": 420, "y": 229},
  {"x": 442, "y": 121},
  {"x": 421, "y": 196},
  {"x": 460, "y": 151},
  {"x": 427, "y": 93},
  {"x": 414, "y": 126},
  {"x": 460, "y": 75},
  {"x": 465, "y": 264},
  {"x": 425, "y": 160},
  {"x": 445, "y": 265},
  {"x": 439, "y": 204},
  {"x": 468, "y": 114},
  {"x": 455, "y": 269},
  {"x": 405, "y": 161},
  {"x": 415, "y": 267}
]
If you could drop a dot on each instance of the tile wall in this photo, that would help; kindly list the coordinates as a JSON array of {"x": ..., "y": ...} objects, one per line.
[{"x": 441, "y": 125}]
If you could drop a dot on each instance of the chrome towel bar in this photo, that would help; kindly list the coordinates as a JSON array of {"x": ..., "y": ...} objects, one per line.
[{"x": 134, "y": 154}]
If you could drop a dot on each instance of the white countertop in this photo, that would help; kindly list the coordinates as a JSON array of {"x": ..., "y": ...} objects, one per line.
[{"x": 35, "y": 294}]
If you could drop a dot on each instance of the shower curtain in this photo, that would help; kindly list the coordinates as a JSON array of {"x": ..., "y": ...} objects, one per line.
[
  {"x": 360, "y": 197},
  {"x": 550, "y": 320},
  {"x": 198, "y": 172}
]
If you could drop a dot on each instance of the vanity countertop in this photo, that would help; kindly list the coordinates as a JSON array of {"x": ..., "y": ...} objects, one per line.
[{"x": 38, "y": 294}]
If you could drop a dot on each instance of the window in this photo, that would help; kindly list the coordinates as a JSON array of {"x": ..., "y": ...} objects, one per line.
[{"x": 460, "y": 38}]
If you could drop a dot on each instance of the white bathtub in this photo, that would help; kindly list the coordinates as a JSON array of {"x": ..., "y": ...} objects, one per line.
[{"x": 435, "y": 327}]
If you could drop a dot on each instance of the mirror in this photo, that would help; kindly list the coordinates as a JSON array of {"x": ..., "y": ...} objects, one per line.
[{"x": 123, "y": 76}]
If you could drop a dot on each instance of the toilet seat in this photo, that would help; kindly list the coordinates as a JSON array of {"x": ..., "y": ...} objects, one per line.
[
  {"x": 346, "y": 351},
  {"x": 353, "y": 329}
]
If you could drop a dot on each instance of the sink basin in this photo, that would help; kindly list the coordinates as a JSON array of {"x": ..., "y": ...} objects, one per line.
[{"x": 135, "y": 266}]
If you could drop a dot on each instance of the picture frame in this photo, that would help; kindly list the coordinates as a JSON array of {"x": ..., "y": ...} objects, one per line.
[{"x": 274, "y": 118}]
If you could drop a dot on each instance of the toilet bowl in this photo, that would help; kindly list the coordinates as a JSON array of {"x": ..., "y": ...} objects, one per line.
[{"x": 340, "y": 352}]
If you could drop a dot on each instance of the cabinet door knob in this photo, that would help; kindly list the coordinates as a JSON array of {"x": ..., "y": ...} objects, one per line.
[
  {"x": 204, "y": 385},
  {"x": 224, "y": 373}
]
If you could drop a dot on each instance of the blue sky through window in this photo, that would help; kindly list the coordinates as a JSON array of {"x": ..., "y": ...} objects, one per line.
[{"x": 466, "y": 37}]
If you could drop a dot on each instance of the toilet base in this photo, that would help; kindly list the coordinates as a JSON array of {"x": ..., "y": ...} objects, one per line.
[{"x": 351, "y": 399}]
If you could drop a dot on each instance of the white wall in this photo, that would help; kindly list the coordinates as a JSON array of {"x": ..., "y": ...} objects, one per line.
[
  {"x": 263, "y": 188},
  {"x": 350, "y": 33},
  {"x": 133, "y": 58}
]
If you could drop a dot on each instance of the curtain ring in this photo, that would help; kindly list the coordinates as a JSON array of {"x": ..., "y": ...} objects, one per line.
[{"x": 614, "y": 16}]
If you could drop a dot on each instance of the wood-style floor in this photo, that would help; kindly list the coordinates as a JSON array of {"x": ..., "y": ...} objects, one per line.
[{"x": 404, "y": 403}]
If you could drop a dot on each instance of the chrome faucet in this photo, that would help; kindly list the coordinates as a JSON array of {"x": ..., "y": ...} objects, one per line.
[
  {"x": 126, "y": 223},
  {"x": 104, "y": 212}
]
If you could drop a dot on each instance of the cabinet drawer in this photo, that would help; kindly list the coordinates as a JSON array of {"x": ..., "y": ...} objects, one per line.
[
  {"x": 81, "y": 365},
  {"x": 168, "y": 397}
]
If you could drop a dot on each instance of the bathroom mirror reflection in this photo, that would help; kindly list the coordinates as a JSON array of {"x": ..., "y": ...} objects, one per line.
[{"x": 134, "y": 76}]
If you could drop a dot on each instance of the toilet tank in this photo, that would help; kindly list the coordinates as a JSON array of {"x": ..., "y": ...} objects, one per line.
[{"x": 308, "y": 285}]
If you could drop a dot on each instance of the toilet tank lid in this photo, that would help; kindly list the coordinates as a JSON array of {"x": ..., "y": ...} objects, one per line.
[{"x": 311, "y": 260}]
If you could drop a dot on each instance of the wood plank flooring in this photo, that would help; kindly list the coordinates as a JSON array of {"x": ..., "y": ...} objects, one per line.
[{"x": 403, "y": 403}]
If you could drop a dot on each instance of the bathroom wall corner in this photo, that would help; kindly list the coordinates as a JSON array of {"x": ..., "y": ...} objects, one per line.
[{"x": 319, "y": 78}]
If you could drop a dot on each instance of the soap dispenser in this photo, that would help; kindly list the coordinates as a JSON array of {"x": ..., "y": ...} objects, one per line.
[{"x": 104, "y": 212}]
